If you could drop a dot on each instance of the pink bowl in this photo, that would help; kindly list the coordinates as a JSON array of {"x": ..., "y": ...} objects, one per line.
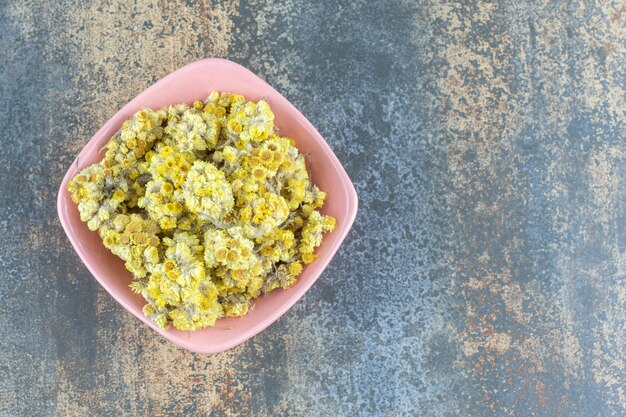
[{"x": 187, "y": 84}]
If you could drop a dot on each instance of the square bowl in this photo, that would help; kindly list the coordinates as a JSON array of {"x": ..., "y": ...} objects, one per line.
[{"x": 185, "y": 85}]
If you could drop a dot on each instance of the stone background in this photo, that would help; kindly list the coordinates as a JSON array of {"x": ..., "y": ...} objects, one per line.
[{"x": 486, "y": 270}]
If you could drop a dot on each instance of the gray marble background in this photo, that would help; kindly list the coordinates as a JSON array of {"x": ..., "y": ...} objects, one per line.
[{"x": 485, "y": 273}]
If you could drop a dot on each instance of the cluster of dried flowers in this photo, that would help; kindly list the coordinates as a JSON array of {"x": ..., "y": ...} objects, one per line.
[{"x": 207, "y": 205}]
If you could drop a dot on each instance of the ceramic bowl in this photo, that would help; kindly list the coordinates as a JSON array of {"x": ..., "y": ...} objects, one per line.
[{"x": 185, "y": 85}]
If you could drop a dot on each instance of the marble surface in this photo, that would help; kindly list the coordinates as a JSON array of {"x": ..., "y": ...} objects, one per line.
[{"x": 486, "y": 270}]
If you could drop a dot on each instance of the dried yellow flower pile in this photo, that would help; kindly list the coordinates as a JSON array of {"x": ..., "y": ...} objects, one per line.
[{"x": 207, "y": 205}]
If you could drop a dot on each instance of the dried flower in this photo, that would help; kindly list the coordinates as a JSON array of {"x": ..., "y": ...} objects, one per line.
[{"x": 207, "y": 205}]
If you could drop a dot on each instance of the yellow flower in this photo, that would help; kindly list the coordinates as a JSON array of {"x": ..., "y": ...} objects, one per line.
[
  {"x": 230, "y": 154},
  {"x": 167, "y": 188},
  {"x": 167, "y": 223},
  {"x": 119, "y": 195},
  {"x": 207, "y": 193},
  {"x": 207, "y": 206},
  {"x": 234, "y": 126},
  {"x": 307, "y": 258},
  {"x": 295, "y": 268}
]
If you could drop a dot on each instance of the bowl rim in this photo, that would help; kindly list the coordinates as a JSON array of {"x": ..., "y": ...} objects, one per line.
[{"x": 351, "y": 208}]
